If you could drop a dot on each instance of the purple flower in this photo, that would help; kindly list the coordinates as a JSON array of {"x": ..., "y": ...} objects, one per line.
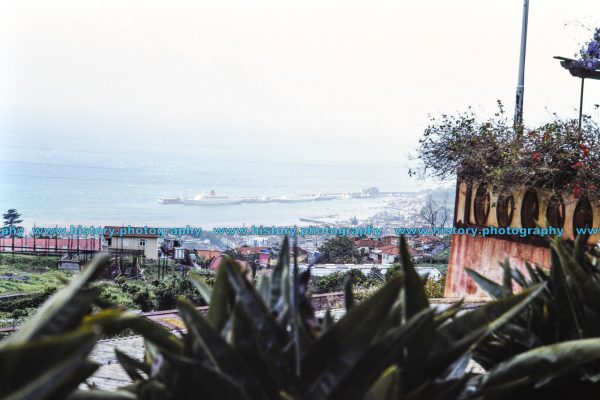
[
  {"x": 593, "y": 49},
  {"x": 590, "y": 55},
  {"x": 588, "y": 64}
]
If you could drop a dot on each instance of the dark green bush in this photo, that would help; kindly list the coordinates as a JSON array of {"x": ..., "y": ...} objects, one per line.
[
  {"x": 340, "y": 250},
  {"x": 127, "y": 285},
  {"x": 20, "y": 313},
  {"x": 435, "y": 288},
  {"x": 166, "y": 292},
  {"x": 335, "y": 282},
  {"x": 143, "y": 300},
  {"x": 393, "y": 270}
]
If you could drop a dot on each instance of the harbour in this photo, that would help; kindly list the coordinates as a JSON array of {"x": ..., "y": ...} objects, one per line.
[{"x": 212, "y": 199}]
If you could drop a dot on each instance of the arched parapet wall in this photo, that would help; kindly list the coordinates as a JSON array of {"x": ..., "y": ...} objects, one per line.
[{"x": 467, "y": 208}]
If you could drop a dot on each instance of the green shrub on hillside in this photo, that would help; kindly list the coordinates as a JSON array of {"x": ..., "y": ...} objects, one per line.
[
  {"x": 336, "y": 281},
  {"x": 340, "y": 250},
  {"x": 167, "y": 292},
  {"x": 435, "y": 288},
  {"x": 33, "y": 300},
  {"x": 143, "y": 300},
  {"x": 27, "y": 262}
]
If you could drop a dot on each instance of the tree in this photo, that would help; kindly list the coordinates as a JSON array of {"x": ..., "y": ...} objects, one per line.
[
  {"x": 11, "y": 219},
  {"x": 434, "y": 214},
  {"x": 340, "y": 250}
]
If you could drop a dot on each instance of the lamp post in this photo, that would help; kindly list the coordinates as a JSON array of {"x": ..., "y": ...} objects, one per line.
[
  {"x": 518, "y": 119},
  {"x": 576, "y": 70}
]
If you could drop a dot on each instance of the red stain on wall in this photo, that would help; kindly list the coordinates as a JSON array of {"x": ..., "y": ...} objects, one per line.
[{"x": 471, "y": 286}]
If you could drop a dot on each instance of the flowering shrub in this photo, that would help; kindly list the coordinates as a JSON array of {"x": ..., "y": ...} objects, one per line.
[
  {"x": 589, "y": 55},
  {"x": 554, "y": 156}
]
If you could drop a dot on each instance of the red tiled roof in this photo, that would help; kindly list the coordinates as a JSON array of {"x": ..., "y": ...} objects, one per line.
[
  {"x": 365, "y": 243},
  {"x": 389, "y": 239},
  {"x": 250, "y": 250},
  {"x": 208, "y": 254},
  {"x": 391, "y": 249},
  {"x": 216, "y": 263}
]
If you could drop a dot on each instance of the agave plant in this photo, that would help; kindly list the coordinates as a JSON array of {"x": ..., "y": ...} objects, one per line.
[
  {"x": 552, "y": 348},
  {"x": 47, "y": 357},
  {"x": 265, "y": 342}
]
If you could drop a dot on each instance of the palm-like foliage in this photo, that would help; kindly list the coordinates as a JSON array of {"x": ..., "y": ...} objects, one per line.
[
  {"x": 548, "y": 332},
  {"x": 266, "y": 343},
  {"x": 47, "y": 357}
]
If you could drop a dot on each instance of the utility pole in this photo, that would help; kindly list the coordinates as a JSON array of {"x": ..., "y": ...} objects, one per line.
[{"x": 521, "y": 83}]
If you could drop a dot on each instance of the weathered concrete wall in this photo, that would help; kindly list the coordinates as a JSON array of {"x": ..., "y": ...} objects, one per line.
[{"x": 483, "y": 255}]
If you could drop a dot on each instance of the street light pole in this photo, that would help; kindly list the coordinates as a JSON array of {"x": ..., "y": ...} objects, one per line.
[
  {"x": 518, "y": 119},
  {"x": 581, "y": 106}
]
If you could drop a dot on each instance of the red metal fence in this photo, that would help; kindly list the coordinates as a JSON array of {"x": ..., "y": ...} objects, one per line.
[{"x": 50, "y": 245}]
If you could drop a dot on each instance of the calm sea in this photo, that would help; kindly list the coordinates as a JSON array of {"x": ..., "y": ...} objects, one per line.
[{"x": 81, "y": 180}]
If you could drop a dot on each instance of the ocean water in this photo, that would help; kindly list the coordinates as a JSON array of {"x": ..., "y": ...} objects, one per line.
[{"x": 75, "y": 180}]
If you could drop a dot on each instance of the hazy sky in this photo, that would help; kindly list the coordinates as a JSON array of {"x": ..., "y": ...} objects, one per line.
[{"x": 354, "y": 77}]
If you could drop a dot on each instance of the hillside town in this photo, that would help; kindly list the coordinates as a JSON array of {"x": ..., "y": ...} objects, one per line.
[{"x": 407, "y": 210}]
